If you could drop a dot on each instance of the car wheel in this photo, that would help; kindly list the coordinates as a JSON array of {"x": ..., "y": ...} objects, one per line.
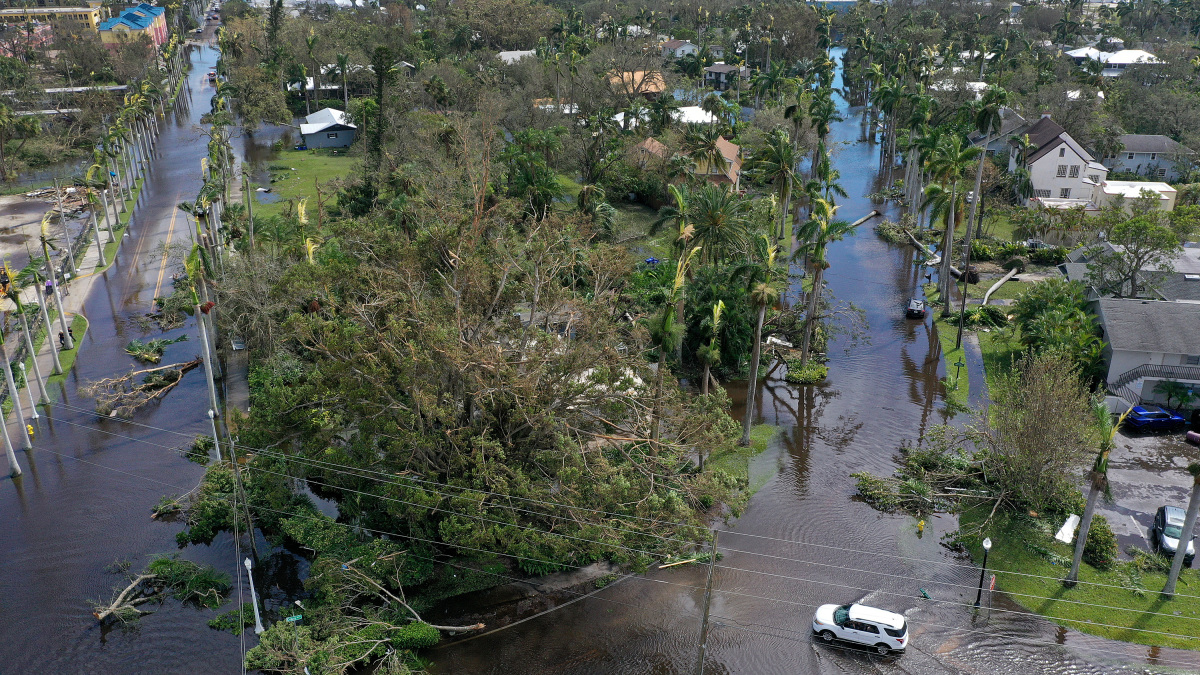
[
  {"x": 827, "y": 635},
  {"x": 883, "y": 649}
]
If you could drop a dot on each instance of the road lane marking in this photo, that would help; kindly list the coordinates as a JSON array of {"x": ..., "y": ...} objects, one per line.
[
  {"x": 1139, "y": 530},
  {"x": 162, "y": 269}
]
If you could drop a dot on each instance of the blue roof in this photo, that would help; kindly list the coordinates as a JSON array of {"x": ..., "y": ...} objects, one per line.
[{"x": 136, "y": 18}]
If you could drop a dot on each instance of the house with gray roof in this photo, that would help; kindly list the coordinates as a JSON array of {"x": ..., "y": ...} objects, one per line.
[
  {"x": 1148, "y": 341},
  {"x": 1059, "y": 168},
  {"x": 1151, "y": 155}
]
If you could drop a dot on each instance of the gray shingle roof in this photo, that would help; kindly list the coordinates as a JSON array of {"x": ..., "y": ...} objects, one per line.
[
  {"x": 1153, "y": 143},
  {"x": 1151, "y": 325}
]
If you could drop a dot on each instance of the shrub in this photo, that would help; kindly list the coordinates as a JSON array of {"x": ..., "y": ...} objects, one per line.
[
  {"x": 811, "y": 373},
  {"x": 981, "y": 250},
  {"x": 1053, "y": 255},
  {"x": 1100, "y": 549},
  {"x": 1017, "y": 264},
  {"x": 989, "y": 316}
]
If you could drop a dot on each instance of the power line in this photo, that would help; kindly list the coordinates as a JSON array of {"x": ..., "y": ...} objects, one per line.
[
  {"x": 353, "y": 471},
  {"x": 726, "y": 592},
  {"x": 951, "y": 602}
]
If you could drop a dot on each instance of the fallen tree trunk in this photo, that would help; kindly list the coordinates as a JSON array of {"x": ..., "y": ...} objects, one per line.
[
  {"x": 119, "y": 397},
  {"x": 127, "y": 600}
]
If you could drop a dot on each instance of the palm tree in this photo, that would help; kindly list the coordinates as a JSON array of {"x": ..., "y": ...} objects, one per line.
[
  {"x": 761, "y": 280},
  {"x": 719, "y": 216},
  {"x": 12, "y": 127},
  {"x": 1189, "y": 523},
  {"x": 776, "y": 163},
  {"x": 667, "y": 330},
  {"x": 1097, "y": 480},
  {"x": 710, "y": 354},
  {"x": 820, "y": 231},
  {"x": 700, "y": 143},
  {"x": 822, "y": 113},
  {"x": 343, "y": 67},
  {"x": 947, "y": 165}
]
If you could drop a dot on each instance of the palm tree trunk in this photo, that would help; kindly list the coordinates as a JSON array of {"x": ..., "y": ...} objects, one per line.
[
  {"x": 752, "y": 384},
  {"x": 810, "y": 313},
  {"x": 658, "y": 384},
  {"x": 13, "y": 394},
  {"x": 1189, "y": 522},
  {"x": 948, "y": 244},
  {"x": 49, "y": 329},
  {"x": 1084, "y": 525},
  {"x": 37, "y": 370},
  {"x": 977, "y": 198},
  {"x": 704, "y": 382},
  {"x": 786, "y": 198}
]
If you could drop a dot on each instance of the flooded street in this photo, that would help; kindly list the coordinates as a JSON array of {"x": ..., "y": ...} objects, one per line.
[
  {"x": 85, "y": 499},
  {"x": 803, "y": 541}
]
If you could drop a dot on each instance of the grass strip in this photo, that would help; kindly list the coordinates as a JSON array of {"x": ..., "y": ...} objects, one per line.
[{"x": 1026, "y": 545}]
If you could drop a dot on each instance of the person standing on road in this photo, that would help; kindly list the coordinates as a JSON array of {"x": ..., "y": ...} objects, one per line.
[{"x": 62, "y": 340}]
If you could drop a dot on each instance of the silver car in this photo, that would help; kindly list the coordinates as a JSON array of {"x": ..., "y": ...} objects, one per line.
[{"x": 1168, "y": 526}]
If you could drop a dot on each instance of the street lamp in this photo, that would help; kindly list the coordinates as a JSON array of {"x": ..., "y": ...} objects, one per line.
[
  {"x": 258, "y": 627},
  {"x": 987, "y": 546},
  {"x": 957, "y": 367}
]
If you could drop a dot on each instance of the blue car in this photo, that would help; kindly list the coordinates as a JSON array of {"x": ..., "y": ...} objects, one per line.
[{"x": 1154, "y": 418}]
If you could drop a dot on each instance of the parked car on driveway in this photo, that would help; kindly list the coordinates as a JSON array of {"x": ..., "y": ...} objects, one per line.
[
  {"x": 885, "y": 631},
  {"x": 1168, "y": 526},
  {"x": 1154, "y": 418}
]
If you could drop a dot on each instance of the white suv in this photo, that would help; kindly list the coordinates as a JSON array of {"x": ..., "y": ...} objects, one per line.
[{"x": 885, "y": 631}]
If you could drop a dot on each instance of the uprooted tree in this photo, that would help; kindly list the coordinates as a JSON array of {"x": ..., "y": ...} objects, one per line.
[
  {"x": 165, "y": 577},
  {"x": 122, "y": 396}
]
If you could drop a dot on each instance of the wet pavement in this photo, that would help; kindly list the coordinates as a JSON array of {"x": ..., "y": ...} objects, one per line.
[
  {"x": 1145, "y": 471},
  {"x": 804, "y": 541},
  {"x": 84, "y": 500}
]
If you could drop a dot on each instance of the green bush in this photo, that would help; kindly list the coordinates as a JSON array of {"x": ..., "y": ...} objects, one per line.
[
  {"x": 811, "y": 373},
  {"x": 1100, "y": 550},
  {"x": 989, "y": 316},
  {"x": 1053, "y": 255},
  {"x": 982, "y": 250}
]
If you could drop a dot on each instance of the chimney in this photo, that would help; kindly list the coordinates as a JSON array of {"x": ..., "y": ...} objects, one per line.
[{"x": 1045, "y": 115}]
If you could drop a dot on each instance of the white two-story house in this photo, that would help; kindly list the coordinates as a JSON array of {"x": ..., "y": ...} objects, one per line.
[{"x": 1059, "y": 168}]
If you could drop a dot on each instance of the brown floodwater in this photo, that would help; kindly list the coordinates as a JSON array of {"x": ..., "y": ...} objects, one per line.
[{"x": 804, "y": 540}]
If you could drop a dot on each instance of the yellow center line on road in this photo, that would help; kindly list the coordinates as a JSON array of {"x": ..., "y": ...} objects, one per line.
[{"x": 162, "y": 266}]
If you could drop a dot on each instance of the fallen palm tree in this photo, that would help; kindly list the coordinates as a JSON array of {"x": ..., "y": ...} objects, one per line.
[
  {"x": 121, "y": 397},
  {"x": 150, "y": 351}
]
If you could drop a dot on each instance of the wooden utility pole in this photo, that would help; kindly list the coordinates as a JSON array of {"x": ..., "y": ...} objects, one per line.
[{"x": 712, "y": 562}]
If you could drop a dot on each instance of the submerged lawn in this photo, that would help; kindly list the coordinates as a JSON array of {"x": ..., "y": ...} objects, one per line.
[
  {"x": 736, "y": 462},
  {"x": 294, "y": 176},
  {"x": 1127, "y": 606}
]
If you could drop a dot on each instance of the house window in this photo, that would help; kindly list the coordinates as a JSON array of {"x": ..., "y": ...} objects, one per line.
[
  {"x": 1064, "y": 193},
  {"x": 1154, "y": 155},
  {"x": 1191, "y": 360},
  {"x": 1062, "y": 152},
  {"x": 1094, "y": 177},
  {"x": 332, "y": 135},
  {"x": 1130, "y": 156},
  {"x": 1075, "y": 171},
  {"x": 1041, "y": 193},
  {"x": 1062, "y": 171}
]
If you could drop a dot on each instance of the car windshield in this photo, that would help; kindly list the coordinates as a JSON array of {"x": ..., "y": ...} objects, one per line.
[
  {"x": 841, "y": 615},
  {"x": 895, "y": 632},
  {"x": 1156, "y": 416},
  {"x": 1172, "y": 531}
]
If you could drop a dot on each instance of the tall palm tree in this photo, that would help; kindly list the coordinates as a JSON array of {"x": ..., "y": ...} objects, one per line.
[
  {"x": 720, "y": 218},
  {"x": 820, "y": 231},
  {"x": 822, "y": 113},
  {"x": 948, "y": 165},
  {"x": 1097, "y": 480},
  {"x": 988, "y": 122},
  {"x": 776, "y": 163},
  {"x": 667, "y": 330},
  {"x": 343, "y": 67},
  {"x": 762, "y": 277},
  {"x": 1189, "y": 523},
  {"x": 710, "y": 354}
]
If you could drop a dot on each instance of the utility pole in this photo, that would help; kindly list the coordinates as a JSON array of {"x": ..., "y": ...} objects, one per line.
[
  {"x": 712, "y": 562},
  {"x": 12, "y": 389}
]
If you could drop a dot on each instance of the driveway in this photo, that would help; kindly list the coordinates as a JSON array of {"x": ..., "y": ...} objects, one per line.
[{"x": 1145, "y": 472}]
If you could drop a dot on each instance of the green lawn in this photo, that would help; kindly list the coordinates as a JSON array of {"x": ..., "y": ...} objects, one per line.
[
  {"x": 66, "y": 357},
  {"x": 310, "y": 167},
  {"x": 1130, "y": 598},
  {"x": 1000, "y": 349},
  {"x": 736, "y": 461}
]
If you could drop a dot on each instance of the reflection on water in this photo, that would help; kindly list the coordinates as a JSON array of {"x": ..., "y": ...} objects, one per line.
[{"x": 803, "y": 541}]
